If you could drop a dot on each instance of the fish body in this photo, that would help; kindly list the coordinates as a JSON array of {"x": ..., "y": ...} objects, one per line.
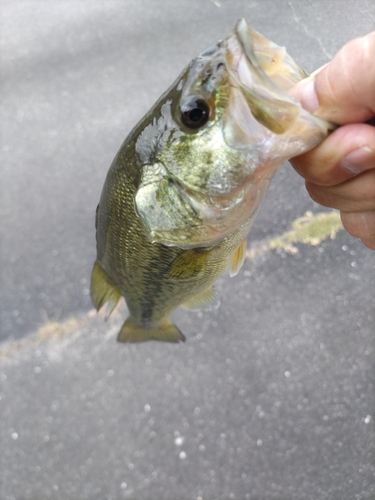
[{"x": 183, "y": 190}]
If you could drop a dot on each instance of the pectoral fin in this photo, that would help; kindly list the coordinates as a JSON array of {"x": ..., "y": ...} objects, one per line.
[
  {"x": 238, "y": 258},
  {"x": 103, "y": 291},
  {"x": 168, "y": 332},
  {"x": 206, "y": 300},
  {"x": 189, "y": 264}
]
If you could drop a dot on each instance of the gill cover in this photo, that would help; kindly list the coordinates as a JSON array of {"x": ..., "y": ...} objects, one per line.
[{"x": 166, "y": 211}]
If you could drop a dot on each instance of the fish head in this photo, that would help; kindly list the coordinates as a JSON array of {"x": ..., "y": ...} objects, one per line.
[{"x": 217, "y": 138}]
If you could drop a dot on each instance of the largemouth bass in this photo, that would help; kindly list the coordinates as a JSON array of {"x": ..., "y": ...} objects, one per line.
[{"x": 186, "y": 184}]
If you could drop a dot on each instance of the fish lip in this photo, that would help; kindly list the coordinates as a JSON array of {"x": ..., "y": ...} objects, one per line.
[
  {"x": 273, "y": 72},
  {"x": 243, "y": 33},
  {"x": 240, "y": 44},
  {"x": 260, "y": 52}
]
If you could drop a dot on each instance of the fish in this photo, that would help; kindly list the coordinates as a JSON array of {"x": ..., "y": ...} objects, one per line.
[{"x": 186, "y": 184}]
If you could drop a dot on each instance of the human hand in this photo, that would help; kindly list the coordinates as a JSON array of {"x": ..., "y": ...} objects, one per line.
[{"x": 340, "y": 172}]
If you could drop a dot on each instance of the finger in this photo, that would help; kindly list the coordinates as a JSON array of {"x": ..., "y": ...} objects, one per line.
[
  {"x": 348, "y": 151},
  {"x": 343, "y": 90},
  {"x": 360, "y": 225},
  {"x": 355, "y": 195}
]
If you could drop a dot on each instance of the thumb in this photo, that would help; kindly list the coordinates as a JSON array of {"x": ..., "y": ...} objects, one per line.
[{"x": 343, "y": 91}]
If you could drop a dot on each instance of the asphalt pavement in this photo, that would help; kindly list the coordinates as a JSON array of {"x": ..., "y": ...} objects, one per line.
[{"x": 272, "y": 395}]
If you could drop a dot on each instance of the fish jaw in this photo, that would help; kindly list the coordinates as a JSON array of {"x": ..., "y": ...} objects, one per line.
[{"x": 274, "y": 123}]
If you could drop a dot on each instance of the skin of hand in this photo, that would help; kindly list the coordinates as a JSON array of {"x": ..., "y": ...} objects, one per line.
[{"x": 340, "y": 172}]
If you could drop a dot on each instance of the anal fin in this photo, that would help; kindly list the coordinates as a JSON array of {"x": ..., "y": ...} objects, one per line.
[
  {"x": 167, "y": 332},
  {"x": 102, "y": 290},
  {"x": 238, "y": 258},
  {"x": 207, "y": 300}
]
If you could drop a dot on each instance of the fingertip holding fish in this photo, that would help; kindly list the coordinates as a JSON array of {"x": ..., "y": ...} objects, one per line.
[{"x": 307, "y": 95}]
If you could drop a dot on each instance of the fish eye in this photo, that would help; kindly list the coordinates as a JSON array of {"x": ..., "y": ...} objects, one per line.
[{"x": 195, "y": 113}]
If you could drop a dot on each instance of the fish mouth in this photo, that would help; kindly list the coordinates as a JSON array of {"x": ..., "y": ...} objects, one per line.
[
  {"x": 263, "y": 72},
  {"x": 270, "y": 58}
]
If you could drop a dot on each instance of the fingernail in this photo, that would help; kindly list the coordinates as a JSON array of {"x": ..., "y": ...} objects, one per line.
[
  {"x": 359, "y": 160},
  {"x": 306, "y": 93}
]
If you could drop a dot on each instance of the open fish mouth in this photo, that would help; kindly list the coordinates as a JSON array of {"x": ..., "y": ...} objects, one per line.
[
  {"x": 273, "y": 60},
  {"x": 258, "y": 67},
  {"x": 264, "y": 72}
]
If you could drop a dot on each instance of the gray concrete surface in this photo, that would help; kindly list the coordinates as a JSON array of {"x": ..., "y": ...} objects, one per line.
[{"x": 272, "y": 396}]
